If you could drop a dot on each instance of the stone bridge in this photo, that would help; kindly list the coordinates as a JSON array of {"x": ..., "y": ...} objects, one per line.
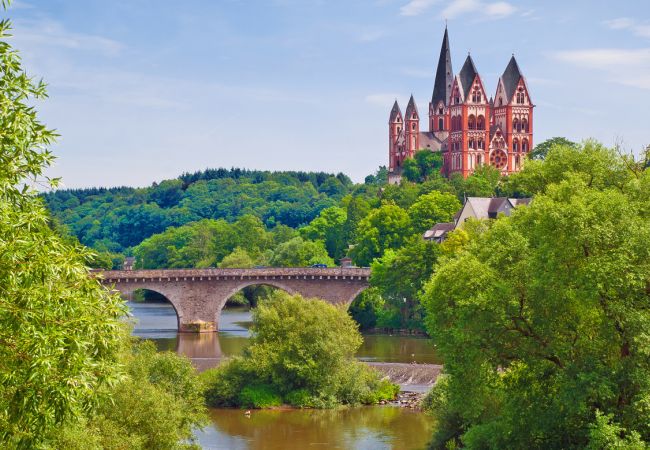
[{"x": 198, "y": 295}]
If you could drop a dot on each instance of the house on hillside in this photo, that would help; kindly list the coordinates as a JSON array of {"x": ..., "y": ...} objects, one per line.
[{"x": 476, "y": 208}]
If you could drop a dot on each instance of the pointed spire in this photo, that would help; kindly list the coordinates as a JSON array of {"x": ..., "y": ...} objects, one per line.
[
  {"x": 511, "y": 77},
  {"x": 411, "y": 108},
  {"x": 395, "y": 112},
  {"x": 467, "y": 75},
  {"x": 444, "y": 73}
]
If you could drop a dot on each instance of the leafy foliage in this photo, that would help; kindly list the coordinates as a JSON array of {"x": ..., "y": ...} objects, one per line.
[
  {"x": 542, "y": 317},
  {"x": 59, "y": 329},
  {"x": 158, "y": 405},
  {"x": 301, "y": 350}
]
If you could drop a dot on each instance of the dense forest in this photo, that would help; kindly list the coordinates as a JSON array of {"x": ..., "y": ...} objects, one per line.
[{"x": 245, "y": 218}]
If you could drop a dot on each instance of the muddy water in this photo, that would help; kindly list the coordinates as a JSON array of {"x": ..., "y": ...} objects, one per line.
[{"x": 371, "y": 428}]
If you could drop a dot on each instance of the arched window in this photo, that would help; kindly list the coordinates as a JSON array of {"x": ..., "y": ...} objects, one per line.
[
  {"x": 471, "y": 122},
  {"x": 524, "y": 125},
  {"x": 440, "y": 111},
  {"x": 515, "y": 145},
  {"x": 481, "y": 144},
  {"x": 517, "y": 162},
  {"x": 516, "y": 126},
  {"x": 479, "y": 160},
  {"x": 413, "y": 126},
  {"x": 441, "y": 124},
  {"x": 524, "y": 145},
  {"x": 481, "y": 123}
]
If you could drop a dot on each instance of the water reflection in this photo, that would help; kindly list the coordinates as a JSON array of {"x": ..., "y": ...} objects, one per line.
[
  {"x": 370, "y": 428},
  {"x": 157, "y": 321}
]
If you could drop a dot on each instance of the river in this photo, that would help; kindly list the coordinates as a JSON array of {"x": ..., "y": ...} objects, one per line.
[{"x": 372, "y": 428}]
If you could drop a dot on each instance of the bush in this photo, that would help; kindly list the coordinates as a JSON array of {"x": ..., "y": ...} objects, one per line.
[
  {"x": 259, "y": 396},
  {"x": 223, "y": 383},
  {"x": 158, "y": 405},
  {"x": 302, "y": 350}
]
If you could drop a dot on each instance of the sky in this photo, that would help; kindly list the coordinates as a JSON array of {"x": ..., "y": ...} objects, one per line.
[{"x": 144, "y": 90}]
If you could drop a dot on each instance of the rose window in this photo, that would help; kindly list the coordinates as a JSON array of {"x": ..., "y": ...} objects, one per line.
[{"x": 498, "y": 159}]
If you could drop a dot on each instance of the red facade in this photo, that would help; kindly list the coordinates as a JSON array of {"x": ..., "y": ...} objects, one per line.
[{"x": 469, "y": 128}]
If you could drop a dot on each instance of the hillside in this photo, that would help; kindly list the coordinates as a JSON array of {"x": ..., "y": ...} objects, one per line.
[{"x": 116, "y": 219}]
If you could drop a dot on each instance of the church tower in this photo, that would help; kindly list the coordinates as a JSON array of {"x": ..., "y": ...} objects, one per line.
[
  {"x": 395, "y": 138},
  {"x": 513, "y": 119},
  {"x": 469, "y": 116},
  {"x": 412, "y": 128},
  {"x": 439, "y": 106}
]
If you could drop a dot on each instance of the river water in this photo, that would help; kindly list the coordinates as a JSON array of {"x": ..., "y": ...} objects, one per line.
[{"x": 371, "y": 428}]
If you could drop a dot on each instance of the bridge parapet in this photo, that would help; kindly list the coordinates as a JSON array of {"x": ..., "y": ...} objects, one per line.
[
  {"x": 198, "y": 295},
  {"x": 350, "y": 273}
]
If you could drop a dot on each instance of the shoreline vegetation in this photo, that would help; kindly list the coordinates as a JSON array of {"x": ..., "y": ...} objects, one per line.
[{"x": 301, "y": 353}]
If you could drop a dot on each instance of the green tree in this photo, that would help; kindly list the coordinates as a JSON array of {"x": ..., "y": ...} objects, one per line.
[
  {"x": 300, "y": 253},
  {"x": 399, "y": 275},
  {"x": 432, "y": 208},
  {"x": 384, "y": 228},
  {"x": 303, "y": 351},
  {"x": 157, "y": 406},
  {"x": 424, "y": 165},
  {"x": 328, "y": 227},
  {"x": 541, "y": 150},
  {"x": 59, "y": 328},
  {"x": 238, "y": 259},
  {"x": 591, "y": 162},
  {"x": 542, "y": 319}
]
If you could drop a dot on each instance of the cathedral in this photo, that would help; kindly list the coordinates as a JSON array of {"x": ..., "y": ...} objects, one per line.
[{"x": 466, "y": 126}]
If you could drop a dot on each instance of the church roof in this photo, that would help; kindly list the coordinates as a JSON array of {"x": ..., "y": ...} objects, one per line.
[
  {"x": 511, "y": 77},
  {"x": 395, "y": 112},
  {"x": 444, "y": 74},
  {"x": 410, "y": 108},
  {"x": 428, "y": 140},
  {"x": 467, "y": 75}
]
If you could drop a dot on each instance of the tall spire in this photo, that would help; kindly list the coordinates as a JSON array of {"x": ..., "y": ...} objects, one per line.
[
  {"x": 444, "y": 74},
  {"x": 410, "y": 109},
  {"x": 395, "y": 113},
  {"x": 467, "y": 75},
  {"x": 511, "y": 77}
]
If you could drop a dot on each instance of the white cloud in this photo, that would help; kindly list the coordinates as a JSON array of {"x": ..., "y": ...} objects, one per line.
[
  {"x": 487, "y": 10},
  {"x": 50, "y": 33},
  {"x": 641, "y": 29},
  {"x": 629, "y": 67},
  {"x": 416, "y": 7}
]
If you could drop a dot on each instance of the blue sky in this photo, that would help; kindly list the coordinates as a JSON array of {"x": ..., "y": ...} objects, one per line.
[{"x": 143, "y": 90}]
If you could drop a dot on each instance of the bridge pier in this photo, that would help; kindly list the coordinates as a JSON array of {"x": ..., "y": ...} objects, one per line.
[{"x": 199, "y": 295}]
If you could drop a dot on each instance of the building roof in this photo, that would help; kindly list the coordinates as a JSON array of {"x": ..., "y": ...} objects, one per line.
[
  {"x": 511, "y": 77},
  {"x": 429, "y": 141},
  {"x": 410, "y": 108},
  {"x": 439, "y": 230},
  {"x": 467, "y": 75},
  {"x": 395, "y": 112},
  {"x": 444, "y": 74}
]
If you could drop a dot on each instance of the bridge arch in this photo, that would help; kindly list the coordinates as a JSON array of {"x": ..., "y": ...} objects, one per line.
[
  {"x": 199, "y": 295},
  {"x": 167, "y": 301}
]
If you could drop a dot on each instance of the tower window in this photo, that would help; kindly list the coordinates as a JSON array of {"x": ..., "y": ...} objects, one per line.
[
  {"x": 524, "y": 145},
  {"x": 480, "y": 123},
  {"x": 441, "y": 124},
  {"x": 412, "y": 126}
]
